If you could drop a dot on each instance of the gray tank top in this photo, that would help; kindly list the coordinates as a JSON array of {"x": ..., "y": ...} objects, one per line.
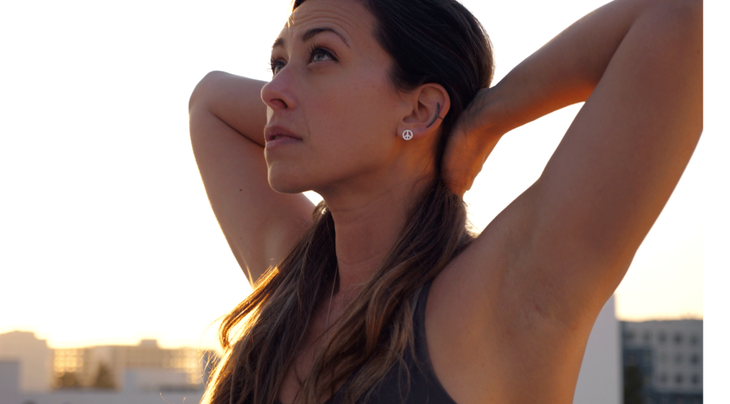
[{"x": 423, "y": 386}]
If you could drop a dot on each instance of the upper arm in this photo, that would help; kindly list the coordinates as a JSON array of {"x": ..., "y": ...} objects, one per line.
[
  {"x": 527, "y": 291},
  {"x": 616, "y": 166},
  {"x": 563, "y": 246},
  {"x": 227, "y": 119}
]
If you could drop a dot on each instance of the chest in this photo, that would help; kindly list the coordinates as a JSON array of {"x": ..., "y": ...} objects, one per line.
[
  {"x": 410, "y": 380},
  {"x": 304, "y": 360},
  {"x": 295, "y": 375}
]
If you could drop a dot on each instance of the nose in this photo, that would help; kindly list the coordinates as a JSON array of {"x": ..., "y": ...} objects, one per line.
[{"x": 278, "y": 93}]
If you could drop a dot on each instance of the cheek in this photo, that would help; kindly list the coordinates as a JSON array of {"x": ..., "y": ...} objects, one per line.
[
  {"x": 357, "y": 110},
  {"x": 352, "y": 132},
  {"x": 351, "y": 121}
]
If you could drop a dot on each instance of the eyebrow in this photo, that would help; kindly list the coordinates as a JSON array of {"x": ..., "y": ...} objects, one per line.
[{"x": 310, "y": 34}]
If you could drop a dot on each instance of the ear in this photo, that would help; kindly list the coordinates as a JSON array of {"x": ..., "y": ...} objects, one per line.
[{"x": 429, "y": 105}]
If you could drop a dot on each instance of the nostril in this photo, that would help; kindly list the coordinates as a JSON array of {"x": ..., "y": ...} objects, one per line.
[
  {"x": 276, "y": 95},
  {"x": 278, "y": 104}
]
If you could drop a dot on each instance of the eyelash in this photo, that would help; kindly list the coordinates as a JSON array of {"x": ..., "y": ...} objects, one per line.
[
  {"x": 313, "y": 50},
  {"x": 273, "y": 64}
]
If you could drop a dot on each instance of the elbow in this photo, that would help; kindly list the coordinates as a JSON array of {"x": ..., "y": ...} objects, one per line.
[
  {"x": 203, "y": 90},
  {"x": 199, "y": 104}
]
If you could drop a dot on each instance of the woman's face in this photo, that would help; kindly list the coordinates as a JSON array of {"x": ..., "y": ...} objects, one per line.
[{"x": 332, "y": 110}]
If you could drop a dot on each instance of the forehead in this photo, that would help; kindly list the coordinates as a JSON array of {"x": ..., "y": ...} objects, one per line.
[{"x": 348, "y": 17}]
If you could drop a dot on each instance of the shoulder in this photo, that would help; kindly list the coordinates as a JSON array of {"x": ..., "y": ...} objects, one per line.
[{"x": 491, "y": 333}]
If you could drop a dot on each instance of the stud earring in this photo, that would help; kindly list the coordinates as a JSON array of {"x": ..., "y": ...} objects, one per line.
[{"x": 407, "y": 134}]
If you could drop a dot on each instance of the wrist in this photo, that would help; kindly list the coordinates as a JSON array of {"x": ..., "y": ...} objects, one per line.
[{"x": 497, "y": 117}]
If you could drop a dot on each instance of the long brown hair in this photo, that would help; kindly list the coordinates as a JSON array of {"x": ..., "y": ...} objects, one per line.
[{"x": 435, "y": 41}]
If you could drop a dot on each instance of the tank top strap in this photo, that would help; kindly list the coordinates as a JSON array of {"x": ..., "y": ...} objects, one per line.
[
  {"x": 413, "y": 381},
  {"x": 436, "y": 392}
]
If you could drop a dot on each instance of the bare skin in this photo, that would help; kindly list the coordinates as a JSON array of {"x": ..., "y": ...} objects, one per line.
[{"x": 507, "y": 321}]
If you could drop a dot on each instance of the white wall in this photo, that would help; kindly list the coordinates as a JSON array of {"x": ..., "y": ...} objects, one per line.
[
  {"x": 9, "y": 382},
  {"x": 600, "y": 380}
]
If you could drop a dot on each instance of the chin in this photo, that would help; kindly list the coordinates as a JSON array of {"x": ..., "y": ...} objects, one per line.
[
  {"x": 288, "y": 189},
  {"x": 287, "y": 183}
]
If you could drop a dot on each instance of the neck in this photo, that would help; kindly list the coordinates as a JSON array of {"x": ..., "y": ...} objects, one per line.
[
  {"x": 370, "y": 210},
  {"x": 367, "y": 225}
]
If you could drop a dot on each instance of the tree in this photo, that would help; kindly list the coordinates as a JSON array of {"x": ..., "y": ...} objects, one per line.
[
  {"x": 68, "y": 380},
  {"x": 104, "y": 378},
  {"x": 633, "y": 385}
]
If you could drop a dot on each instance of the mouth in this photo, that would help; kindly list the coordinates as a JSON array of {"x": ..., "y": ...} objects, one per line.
[{"x": 272, "y": 133}]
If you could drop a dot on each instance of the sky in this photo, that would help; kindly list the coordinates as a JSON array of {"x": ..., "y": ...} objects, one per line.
[{"x": 106, "y": 234}]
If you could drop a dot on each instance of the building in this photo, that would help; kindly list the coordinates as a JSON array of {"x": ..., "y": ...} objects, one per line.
[
  {"x": 10, "y": 393},
  {"x": 109, "y": 366},
  {"x": 33, "y": 358},
  {"x": 132, "y": 368},
  {"x": 662, "y": 361}
]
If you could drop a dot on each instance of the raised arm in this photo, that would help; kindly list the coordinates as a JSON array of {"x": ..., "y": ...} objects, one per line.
[
  {"x": 519, "y": 303},
  {"x": 566, "y": 243},
  {"x": 227, "y": 119}
]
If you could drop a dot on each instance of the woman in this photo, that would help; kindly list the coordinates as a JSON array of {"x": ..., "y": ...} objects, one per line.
[{"x": 384, "y": 108}]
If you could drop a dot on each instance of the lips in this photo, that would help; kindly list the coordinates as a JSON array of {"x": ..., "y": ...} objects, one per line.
[{"x": 277, "y": 136}]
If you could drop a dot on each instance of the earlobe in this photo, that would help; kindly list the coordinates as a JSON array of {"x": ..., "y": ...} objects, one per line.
[{"x": 426, "y": 105}]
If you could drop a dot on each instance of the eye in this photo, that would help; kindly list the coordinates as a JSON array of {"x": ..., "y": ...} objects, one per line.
[
  {"x": 320, "y": 54},
  {"x": 276, "y": 65}
]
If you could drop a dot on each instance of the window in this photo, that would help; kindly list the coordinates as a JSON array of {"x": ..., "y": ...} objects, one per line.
[
  {"x": 695, "y": 379},
  {"x": 695, "y": 359},
  {"x": 663, "y": 357},
  {"x": 678, "y": 358},
  {"x": 678, "y": 379},
  {"x": 678, "y": 338},
  {"x": 647, "y": 336},
  {"x": 662, "y": 337},
  {"x": 694, "y": 339},
  {"x": 629, "y": 335},
  {"x": 663, "y": 378}
]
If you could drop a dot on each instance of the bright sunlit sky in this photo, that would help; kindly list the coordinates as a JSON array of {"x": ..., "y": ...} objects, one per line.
[{"x": 106, "y": 234}]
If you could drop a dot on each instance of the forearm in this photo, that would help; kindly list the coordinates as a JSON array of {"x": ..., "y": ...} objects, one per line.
[
  {"x": 227, "y": 118},
  {"x": 567, "y": 69},
  {"x": 234, "y": 100}
]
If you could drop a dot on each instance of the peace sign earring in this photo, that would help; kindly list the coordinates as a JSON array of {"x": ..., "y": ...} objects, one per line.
[{"x": 407, "y": 134}]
